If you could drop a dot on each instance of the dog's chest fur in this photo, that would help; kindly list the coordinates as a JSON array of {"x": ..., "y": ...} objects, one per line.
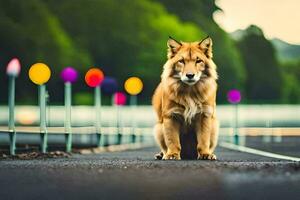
[{"x": 188, "y": 108}]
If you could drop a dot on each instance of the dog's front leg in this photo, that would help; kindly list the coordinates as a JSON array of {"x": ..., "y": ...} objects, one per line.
[
  {"x": 171, "y": 130},
  {"x": 203, "y": 129}
]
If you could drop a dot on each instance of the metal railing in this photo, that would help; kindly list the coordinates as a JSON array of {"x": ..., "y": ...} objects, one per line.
[{"x": 269, "y": 121}]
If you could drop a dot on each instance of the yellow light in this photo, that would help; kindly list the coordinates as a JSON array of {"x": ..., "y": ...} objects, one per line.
[
  {"x": 39, "y": 73},
  {"x": 133, "y": 85}
]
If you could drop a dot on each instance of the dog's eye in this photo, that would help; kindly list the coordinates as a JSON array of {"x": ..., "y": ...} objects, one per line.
[
  {"x": 181, "y": 61},
  {"x": 198, "y": 61}
]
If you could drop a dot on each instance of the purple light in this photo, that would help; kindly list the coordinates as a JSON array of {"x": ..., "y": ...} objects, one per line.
[
  {"x": 69, "y": 74},
  {"x": 109, "y": 85},
  {"x": 234, "y": 96}
]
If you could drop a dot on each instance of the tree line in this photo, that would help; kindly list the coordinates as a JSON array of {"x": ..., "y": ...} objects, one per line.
[{"x": 128, "y": 38}]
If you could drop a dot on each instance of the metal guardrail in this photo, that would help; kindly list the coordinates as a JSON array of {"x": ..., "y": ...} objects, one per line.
[
  {"x": 248, "y": 115},
  {"x": 137, "y": 135},
  {"x": 80, "y": 130},
  {"x": 247, "y": 131}
]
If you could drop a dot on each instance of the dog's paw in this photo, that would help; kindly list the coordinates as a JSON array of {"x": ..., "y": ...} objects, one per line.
[
  {"x": 159, "y": 156},
  {"x": 207, "y": 156},
  {"x": 172, "y": 156}
]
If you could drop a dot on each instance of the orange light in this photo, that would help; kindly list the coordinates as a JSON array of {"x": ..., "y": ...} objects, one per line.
[{"x": 94, "y": 77}]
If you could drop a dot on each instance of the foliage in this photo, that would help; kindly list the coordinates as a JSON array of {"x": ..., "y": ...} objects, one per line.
[
  {"x": 291, "y": 75},
  {"x": 264, "y": 77},
  {"x": 30, "y": 32},
  {"x": 128, "y": 38},
  {"x": 125, "y": 37},
  {"x": 226, "y": 55}
]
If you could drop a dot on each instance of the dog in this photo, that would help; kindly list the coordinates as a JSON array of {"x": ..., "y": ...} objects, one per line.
[{"x": 185, "y": 102}]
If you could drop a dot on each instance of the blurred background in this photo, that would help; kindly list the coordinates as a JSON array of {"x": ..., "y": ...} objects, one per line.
[
  {"x": 128, "y": 38},
  {"x": 256, "y": 48}
]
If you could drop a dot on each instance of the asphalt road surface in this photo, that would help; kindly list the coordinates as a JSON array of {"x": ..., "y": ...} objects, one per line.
[
  {"x": 136, "y": 175},
  {"x": 289, "y": 146}
]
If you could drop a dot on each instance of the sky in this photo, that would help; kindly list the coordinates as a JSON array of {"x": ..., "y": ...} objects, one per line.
[{"x": 277, "y": 18}]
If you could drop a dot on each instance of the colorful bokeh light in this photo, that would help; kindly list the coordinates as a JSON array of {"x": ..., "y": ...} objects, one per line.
[
  {"x": 234, "y": 96},
  {"x": 69, "y": 74},
  {"x": 39, "y": 73},
  {"x": 109, "y": 85},
  {"x": 13, "y": 67},
  {"x": 26, "y": 116},
  {"x": 133, "y": 85},
  {"x": 94, "y": 77},
  {"x": 119, "y": 98}
]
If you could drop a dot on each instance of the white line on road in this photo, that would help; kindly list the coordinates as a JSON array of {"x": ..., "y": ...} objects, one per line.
[{"x": 257, "y": 152}]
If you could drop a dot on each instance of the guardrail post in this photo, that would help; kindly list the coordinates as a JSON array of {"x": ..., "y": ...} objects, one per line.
[
  {"x": 68, "y": 130},
  {"x": 105, "y": 140},
  {"x": 236, "y": 125},
  {"x": 133, "y": 103},
  {"x": 11, "y": 121},
  {"x": 43, "y": 129},
  {"x": 119, "y": 134},
  {"x": 98, "y": 114}
]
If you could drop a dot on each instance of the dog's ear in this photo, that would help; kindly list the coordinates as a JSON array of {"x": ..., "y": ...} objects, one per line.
[
  {"x": 173, "y": 47},
  {"x": 206, "y": 46}
]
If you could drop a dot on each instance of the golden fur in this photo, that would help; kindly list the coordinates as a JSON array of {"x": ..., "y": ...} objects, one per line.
[{"x": 185, "y": 102}]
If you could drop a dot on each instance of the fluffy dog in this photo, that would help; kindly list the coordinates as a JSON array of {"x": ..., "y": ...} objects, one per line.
[{"x": 185, "y": 102}]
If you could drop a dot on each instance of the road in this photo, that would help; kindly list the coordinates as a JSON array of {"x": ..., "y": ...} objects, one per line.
[
  {"x": 136, "y": 175},
  {"x": 288, "y": 145}
]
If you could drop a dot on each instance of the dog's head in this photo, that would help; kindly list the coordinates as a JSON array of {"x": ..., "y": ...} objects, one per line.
[{"x": 190, "y": 62}]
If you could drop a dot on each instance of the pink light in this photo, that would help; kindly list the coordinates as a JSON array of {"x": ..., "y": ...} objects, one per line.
[
  {"x": 13, "y": 68},
  {"x": 119, "y": 98}
]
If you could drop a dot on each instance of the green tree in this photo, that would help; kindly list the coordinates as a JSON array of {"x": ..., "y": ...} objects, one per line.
[
  {"x": 124, "y": 37},
  {"x": 264, "y": 77},
  {"x": 291, "y": 77},
  {"x": 231, "y": 68},
  {"x": 29, "y": 31}
]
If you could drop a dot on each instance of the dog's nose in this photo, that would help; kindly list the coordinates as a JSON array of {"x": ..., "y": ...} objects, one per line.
[{"x": 190, "y": 75}]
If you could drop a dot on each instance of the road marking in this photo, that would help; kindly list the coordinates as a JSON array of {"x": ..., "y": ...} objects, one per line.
[{"x": 257, "y": 152}]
